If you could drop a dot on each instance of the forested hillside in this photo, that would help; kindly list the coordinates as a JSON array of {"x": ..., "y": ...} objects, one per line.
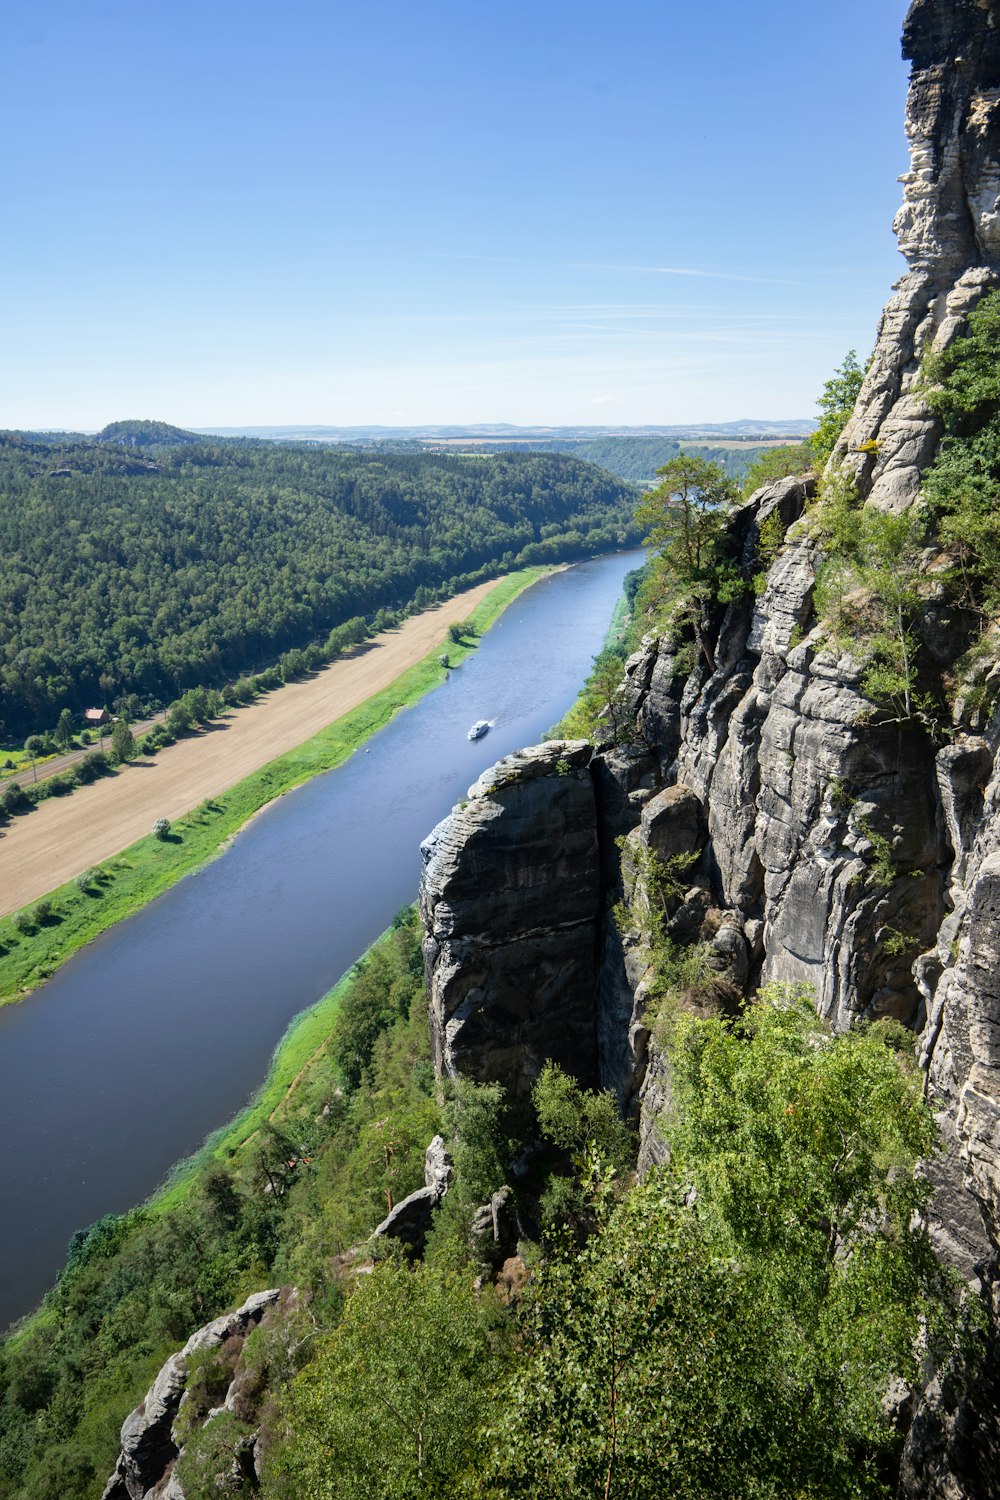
[
  {"x": 637, "y": 459},
  {"x": 125, "y": 573},
  {"x": 145, "y": 434},
  {"x": 567, "y": 1369}
]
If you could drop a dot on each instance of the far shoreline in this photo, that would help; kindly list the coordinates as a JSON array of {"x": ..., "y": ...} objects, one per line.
[{"x": 141, "y": 870}]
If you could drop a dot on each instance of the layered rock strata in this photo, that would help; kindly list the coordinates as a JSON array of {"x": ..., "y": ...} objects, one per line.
[
  {"x": 510, "y": 898},
  {"x": 948, "y": 229}
]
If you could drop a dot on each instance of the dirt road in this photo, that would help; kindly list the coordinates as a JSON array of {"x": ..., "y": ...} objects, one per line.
[{"x": 66, "y": 835}]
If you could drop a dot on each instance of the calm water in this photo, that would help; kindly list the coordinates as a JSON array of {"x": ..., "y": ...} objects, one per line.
[{"x": 159, "y": 1032}]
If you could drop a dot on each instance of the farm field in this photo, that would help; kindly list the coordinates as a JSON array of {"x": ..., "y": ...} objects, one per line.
[{"x": 66, "y": 835}]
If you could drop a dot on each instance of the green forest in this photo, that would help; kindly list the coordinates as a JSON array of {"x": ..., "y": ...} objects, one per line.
[
  {"x": 728, "y": 1325},
  {"x": 637, "y": 459},
  {"x": 147, "y": 570}
]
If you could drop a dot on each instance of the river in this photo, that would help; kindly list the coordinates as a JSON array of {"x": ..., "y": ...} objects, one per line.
[{"x": 158, "y": 1032}]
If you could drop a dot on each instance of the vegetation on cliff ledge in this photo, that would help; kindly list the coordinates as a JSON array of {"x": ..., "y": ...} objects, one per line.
[
  {"x": 962, "y": 484},
  {"x": 914, "y": 595}
]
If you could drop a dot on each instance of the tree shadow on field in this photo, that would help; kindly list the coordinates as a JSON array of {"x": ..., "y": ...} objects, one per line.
[{"x": 352, "y": 653}]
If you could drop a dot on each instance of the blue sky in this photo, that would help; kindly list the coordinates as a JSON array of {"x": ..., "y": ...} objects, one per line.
[{"x": 217, "y": 213}]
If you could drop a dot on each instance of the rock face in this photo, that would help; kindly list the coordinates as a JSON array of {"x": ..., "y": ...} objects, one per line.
[
  {"x": 149, "y": 1445},
  {"x": 823, "y": 846},
  {"x": 948, "y": 230},
  {"x": 510, "y": 899},
  {"x": 410, "y": 1220}
]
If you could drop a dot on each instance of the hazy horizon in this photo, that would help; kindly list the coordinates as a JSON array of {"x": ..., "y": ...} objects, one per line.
[{"x": 763, "y": 424}]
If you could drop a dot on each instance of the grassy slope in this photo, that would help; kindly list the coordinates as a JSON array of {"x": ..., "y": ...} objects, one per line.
[{"x": 149, "y": 867}]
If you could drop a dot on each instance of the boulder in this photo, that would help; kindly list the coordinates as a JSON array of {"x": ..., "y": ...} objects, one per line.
[
  {"x": 673, "y": 823},
  {"x": 410, "y": 1220}
]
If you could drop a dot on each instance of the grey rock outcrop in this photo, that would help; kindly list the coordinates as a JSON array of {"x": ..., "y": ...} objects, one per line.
[
  {"x": 410, "y": 1220},
  {"x": 493, "y": 1232},
  {"x": 673, "y": 823},
  {"x": 149, "y": 1444},
  {"x": 510, "y": 898},
  {"x": 948, "y": 229}
]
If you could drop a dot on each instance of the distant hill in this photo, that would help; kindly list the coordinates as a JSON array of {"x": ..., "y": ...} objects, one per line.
[
  {"x": 630, "y": 453},
  {"x": 635, "y": 459},
  {"x": 146, "y": 434}
]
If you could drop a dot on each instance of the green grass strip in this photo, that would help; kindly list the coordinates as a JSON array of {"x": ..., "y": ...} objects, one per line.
[{"x": 147, "y": 868}]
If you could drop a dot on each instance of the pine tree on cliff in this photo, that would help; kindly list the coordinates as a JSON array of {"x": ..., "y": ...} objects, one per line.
[{"x": 685, "y": 518}]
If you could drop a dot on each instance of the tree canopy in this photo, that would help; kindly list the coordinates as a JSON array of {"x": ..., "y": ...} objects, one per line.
[
  {"x": 836, "y": 404},
  {"x": 735, "y": 1324},
  {"x": 685, "y": 520}
]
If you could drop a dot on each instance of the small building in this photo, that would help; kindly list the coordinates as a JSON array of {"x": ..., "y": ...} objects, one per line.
[{"x": 92, "y": 717}]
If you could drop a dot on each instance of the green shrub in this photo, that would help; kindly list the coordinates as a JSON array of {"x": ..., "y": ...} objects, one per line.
[
  {"x": 836, "y": 406},
  {"x": 396, "y": 1399},
  {"x": 870, "y": 596},
  {"x": 962, "y": 385},
  {"x": 734, "y": 1324},
  {"x": 15, "y": 799},
  {"x": 778, "y": 463},
  {"x": 93, "y": 765},
  {"x": 217, "y": 1460}
]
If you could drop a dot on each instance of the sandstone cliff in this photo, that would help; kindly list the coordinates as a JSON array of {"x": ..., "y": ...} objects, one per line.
[
  {"x": 152, "y": 1437},
  {"x": 814, "y": 832}
]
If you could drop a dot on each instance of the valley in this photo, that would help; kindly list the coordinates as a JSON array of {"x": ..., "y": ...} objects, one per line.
[{"x": 156, "y": 1033}]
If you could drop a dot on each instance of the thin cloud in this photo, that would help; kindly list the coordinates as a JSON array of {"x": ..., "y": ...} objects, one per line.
[{"x": 699, "y": 273}]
